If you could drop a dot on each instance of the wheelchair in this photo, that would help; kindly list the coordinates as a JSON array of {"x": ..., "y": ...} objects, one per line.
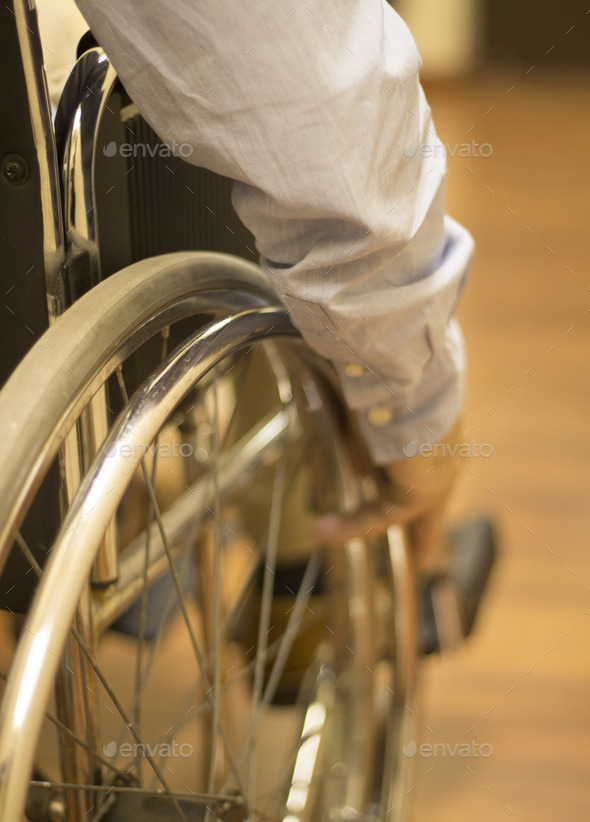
[{"x": 182, "y": 649}]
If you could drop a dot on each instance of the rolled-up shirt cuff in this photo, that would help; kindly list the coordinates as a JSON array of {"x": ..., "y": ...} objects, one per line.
[{"x": 393, "y": 430}]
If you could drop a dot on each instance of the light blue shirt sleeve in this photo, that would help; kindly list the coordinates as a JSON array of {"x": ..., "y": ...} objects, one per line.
[{"x": 316, "y": 111}]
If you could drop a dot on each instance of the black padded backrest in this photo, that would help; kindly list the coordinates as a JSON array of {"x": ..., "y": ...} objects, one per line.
[{"x": 165, "y": 203}]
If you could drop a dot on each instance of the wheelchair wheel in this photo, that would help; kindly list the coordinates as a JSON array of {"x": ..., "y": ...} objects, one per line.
[{"x": 190, "y": 653}]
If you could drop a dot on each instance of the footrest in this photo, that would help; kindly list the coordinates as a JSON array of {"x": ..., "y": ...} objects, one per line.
[{"x": 473, "y": 551}]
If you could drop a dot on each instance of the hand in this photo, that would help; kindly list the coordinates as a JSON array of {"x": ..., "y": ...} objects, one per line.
[{"x": 416, "y": 493}]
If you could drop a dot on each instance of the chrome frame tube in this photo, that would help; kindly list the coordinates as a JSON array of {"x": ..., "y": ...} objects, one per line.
[
  {"x": 405, "y": 651},
  {"x": 77, "y": 171},
  {"x": 40, "y": 112}
]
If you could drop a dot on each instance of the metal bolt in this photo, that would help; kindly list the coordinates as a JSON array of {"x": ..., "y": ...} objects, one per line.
[
  {"x": 232, "y": 810},
  {"x": 57, "y": 809},
  {"x": 44, "y": 804},
  {"x": 15, "y": 169}
]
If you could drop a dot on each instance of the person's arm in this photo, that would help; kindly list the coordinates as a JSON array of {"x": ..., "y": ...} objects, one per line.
[{"x": 317, "y": 112}]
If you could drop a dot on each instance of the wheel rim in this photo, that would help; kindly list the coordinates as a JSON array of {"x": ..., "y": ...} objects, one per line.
[{"x": 351, "y": 781}]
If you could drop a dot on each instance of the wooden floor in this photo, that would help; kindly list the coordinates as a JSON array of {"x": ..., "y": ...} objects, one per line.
[{"x": 523, "y": 684}]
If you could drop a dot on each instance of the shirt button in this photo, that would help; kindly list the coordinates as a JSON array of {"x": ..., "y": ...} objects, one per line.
[
  {"x": 354, "y": 369},
  {"x": 380, "y": 415}
]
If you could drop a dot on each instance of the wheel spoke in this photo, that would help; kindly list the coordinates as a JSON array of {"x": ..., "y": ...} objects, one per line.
[
  {"x": 198, "y": 518},
  {"x": 139, "y": 680},
  {"x": 97, "y": 669},
  {"x": 217, "y": 588},
  {"x": 155, "y": 511},
  {"x": 184, "y": 610},
  {"x": 293, "y": 626},
  {"x": 90, "y": 714},
  {"x": 282, "y": 646},
  {"x": 85, "y": 650},
  {"x": 78, "y": 740},
  {"x": 214, "y": 475},
  {"x": 192, "y": 796},
  {"x": 265, "y": 609},
  {"x": 134, "y": 731}
]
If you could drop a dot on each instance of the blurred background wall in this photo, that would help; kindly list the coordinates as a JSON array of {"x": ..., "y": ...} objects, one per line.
[
  {"x": 449, "y": 34},
  {"x": 456, "y": 36}
]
